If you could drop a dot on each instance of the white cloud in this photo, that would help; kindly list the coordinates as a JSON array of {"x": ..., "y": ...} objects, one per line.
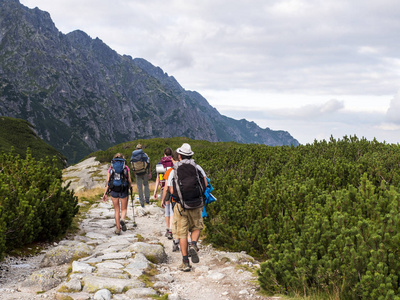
[
  {"x": 388, "y": 127},
  {"x": 289, "y": 56},
  {"x": 393, "y": 112}
]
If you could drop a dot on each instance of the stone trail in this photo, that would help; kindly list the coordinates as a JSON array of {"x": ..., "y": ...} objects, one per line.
[{"x": 98, "y": 264}]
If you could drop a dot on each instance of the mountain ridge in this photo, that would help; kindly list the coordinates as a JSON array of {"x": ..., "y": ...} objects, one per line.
[{"x": 83, "y": 96}]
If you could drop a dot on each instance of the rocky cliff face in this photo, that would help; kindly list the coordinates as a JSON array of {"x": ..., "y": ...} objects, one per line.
[{"x": 82, "y": 96}]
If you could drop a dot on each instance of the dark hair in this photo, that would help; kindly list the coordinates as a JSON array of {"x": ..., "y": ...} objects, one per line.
[
  {"x": 175, "y": 156},
  {"x": 186, "y": 157},
  {"x": 168, "y": 151}
]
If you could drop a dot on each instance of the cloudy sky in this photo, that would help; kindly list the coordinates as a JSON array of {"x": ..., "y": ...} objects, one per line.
[{"x": 312, "y": 68}]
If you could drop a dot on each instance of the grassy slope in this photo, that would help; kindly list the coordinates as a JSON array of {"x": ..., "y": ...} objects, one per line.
[{"x": 20, "y": 135}]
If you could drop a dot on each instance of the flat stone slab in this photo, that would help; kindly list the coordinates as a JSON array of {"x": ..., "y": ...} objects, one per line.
[
  {"x": 94, "y": 283},
  {"x": 118, "y": 255},
  {"x": 109, "y": 265}
]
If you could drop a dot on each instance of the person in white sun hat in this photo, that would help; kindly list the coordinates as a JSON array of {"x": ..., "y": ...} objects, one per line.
[{"x": 187, "y": 182}]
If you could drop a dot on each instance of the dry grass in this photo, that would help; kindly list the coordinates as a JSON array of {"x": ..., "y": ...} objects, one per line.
[
  {"x": 90, "y": 194},
  {"x": 98, "y": 192}
]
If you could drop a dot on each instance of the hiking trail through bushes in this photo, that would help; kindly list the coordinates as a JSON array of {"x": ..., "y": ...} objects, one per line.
[{"x": 116, "y": 259}]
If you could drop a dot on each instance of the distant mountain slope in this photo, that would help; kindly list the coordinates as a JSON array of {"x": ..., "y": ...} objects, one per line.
[
  {"x": 82, "y": 96},
  {"x": 20, "y": 135}
]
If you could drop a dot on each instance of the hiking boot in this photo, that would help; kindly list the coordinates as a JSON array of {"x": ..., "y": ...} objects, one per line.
[
  {"x": 175, "y": 247},
  {"x": 169, "y": 235},
  {"x": 185, "y": 267},
  {"x": 123, "y": 225},
  {"x": 118, "y": 231},
  {"x": 166, "y": 233},
  {"x": 193, "y": 253},
  {"x": 194, "y": 246}
]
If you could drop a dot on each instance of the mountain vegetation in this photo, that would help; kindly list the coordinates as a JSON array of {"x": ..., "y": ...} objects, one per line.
[
  {"x": 323, "y": 217},
  {"x": 82, "y": 96},
  {"x": 34, "y": 206},
  {"x": 18, "y": 135}
]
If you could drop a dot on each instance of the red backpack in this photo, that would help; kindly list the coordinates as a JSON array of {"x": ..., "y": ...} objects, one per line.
[{"x": 166, "y": 161}]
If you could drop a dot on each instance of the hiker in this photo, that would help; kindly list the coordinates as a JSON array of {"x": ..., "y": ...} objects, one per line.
[
  {"x": 161, "y": 168},
  {"x": 187, "y": 187},
  {"x": 167, "y": 197},
  {"x": 140, "y": 163},
  {"x": 118, "y": 183}
]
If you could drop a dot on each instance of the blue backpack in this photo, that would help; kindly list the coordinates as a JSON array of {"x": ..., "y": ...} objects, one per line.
[
  {"x": 139, "y": 162},
  {"x": 118, "y": 175}
]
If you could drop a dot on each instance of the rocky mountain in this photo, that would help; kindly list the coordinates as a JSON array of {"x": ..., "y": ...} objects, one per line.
[{"x": 82, "y": 96}]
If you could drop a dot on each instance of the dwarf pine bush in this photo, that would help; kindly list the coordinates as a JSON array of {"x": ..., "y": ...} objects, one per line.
[
  {"x": 33, "y": 204},
  {"x": 323, "y": 217}
]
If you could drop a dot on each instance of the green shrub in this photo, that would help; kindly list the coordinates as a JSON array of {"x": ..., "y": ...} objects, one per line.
[
  {"x": 34, "y": 205},
  {"x": 323, "y": 217}
]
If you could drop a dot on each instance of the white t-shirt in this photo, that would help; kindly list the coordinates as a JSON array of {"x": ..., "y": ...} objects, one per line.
[{"x": 171, "y": 175}]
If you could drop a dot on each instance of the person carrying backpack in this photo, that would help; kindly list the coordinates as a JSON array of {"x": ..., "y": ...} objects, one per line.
[
  {"x": 166, "y": 196},
  {"x": 162, "y": 168},
  {"x": 187, "y": 182},
  {"x": 118, "y": 183},
  {"x": 140, "y": 163}
]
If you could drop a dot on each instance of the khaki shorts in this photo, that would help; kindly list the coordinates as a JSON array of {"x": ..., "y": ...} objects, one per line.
[{"x": 186, "y": 221}]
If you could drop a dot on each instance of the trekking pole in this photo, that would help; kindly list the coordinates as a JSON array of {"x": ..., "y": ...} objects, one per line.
[{"x": 133, "y": 211}]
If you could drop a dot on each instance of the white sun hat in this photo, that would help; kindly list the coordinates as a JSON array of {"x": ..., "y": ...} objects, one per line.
[{"x": 185, "y": 149}]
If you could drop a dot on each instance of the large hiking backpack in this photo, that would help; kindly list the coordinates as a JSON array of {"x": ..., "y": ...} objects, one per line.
[
  {"x": 118, "y": 175},
  {"x": 188, "y": 184},
  {"x": 139, "y": 162}
]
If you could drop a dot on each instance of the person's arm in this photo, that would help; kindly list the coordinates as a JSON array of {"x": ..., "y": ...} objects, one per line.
[
  {"x": 106, "y": 189},
  {"x": 204, "y": 174},
  {"x": 169, "y": 182},
  {"x": 163, "y": 196},
  {"x": 148, "y": 166},
  {"x": 156, "y": 187}
]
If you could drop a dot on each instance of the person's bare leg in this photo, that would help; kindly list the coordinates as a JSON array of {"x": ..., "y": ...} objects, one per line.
[
  {"x": 116, "y": 211},
  {"x": 184, "y": 246},
  {"x": 124, "y": 207}
]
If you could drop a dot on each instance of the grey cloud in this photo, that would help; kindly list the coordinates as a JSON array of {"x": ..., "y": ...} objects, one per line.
[
  {"x": 393, "y": 113},
  {"x": 332, "y": 111},
  {"x": 280, "y": 46}
]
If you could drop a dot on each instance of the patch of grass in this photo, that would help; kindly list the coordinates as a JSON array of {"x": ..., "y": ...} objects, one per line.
[
  {"x": 162, "y": 297},
  {"x": 140, "y": 238},
  {"x": 225, "y": 260},
  {"x": 72, "y": 178},
  {"x": 92, "y": 195},
  {"x": 148, "y": 275},
  {"x": 64, "y": 289},
  {"x": 64, "y": 297},
  {"x": 151, "y": 258},
  {"x": 246, "y": 267},
  {"x": 69, "y": 270}
]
